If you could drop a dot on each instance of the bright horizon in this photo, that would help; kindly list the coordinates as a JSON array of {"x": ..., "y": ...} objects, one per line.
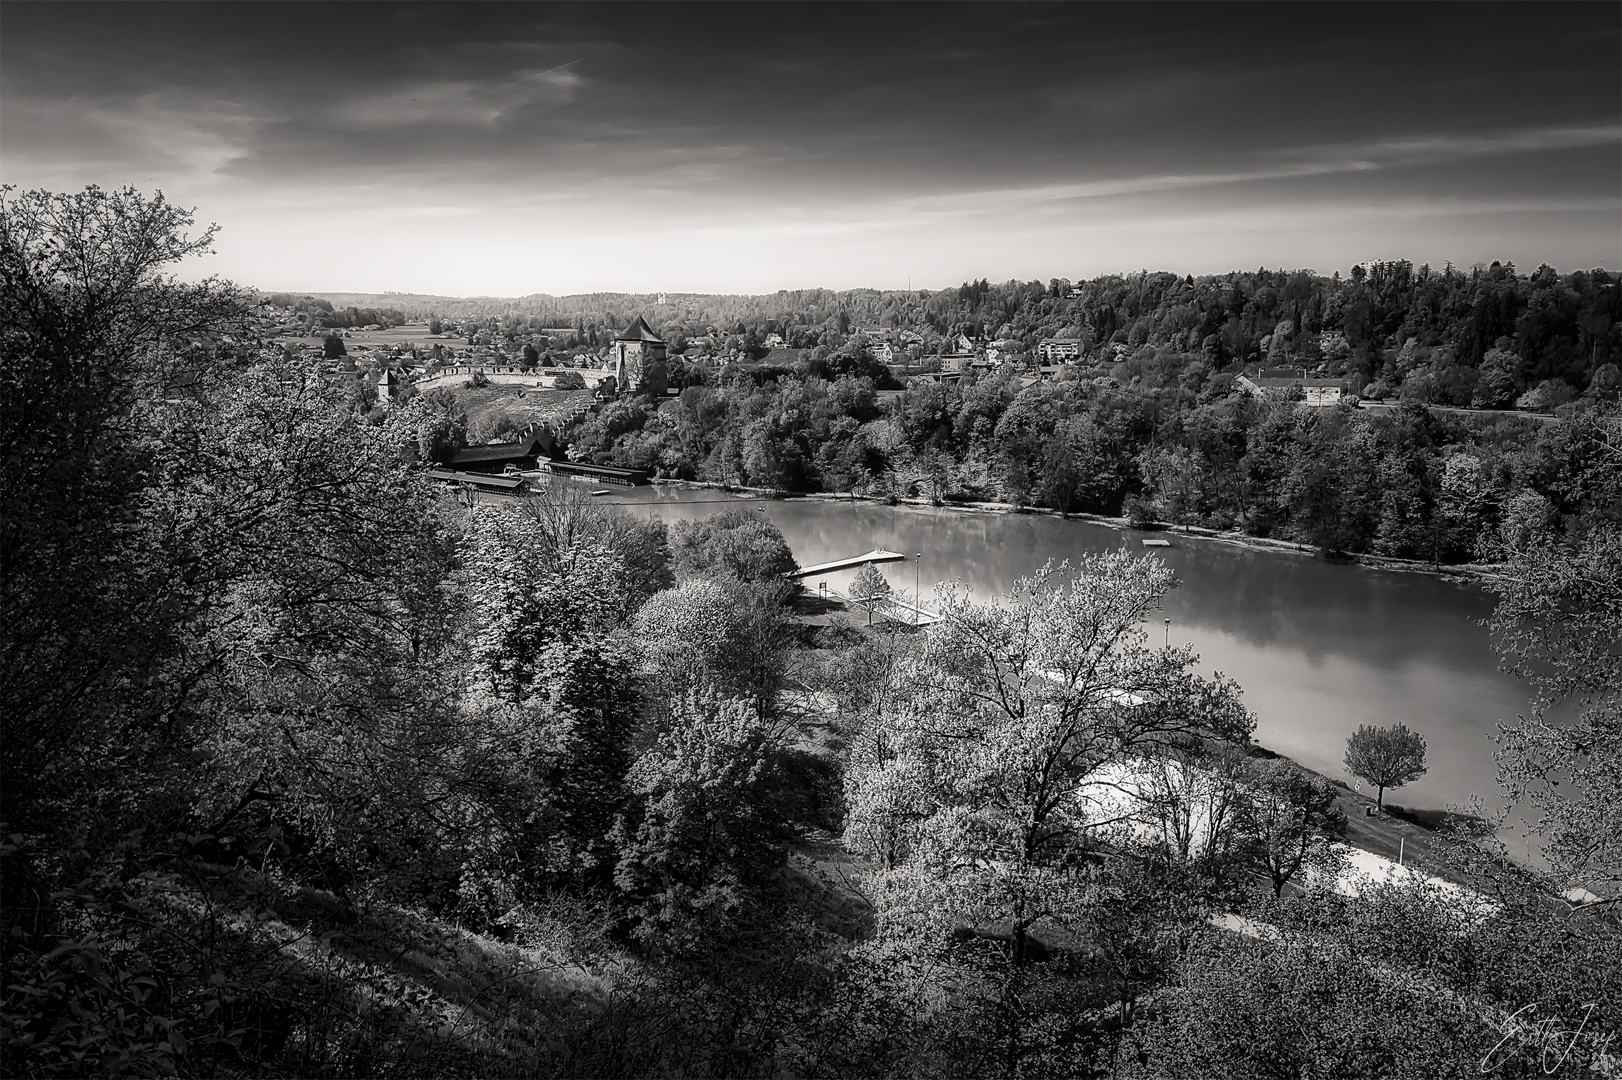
[{"x": 504, "y": 150}]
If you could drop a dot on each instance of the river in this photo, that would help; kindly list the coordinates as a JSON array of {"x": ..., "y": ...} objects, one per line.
[{"x": 1318, "y": 647}]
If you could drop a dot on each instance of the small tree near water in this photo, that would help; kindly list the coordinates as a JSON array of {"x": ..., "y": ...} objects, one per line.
[
  {"x": 869, "y": 589},
  {"x": 1386, "y": 757}
]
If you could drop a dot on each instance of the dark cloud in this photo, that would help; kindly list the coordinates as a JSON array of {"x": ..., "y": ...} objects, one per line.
[{"x": 827, "y": 135}]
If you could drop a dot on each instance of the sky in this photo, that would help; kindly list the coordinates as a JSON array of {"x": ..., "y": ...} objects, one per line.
[{"x": 507, "y": 149}]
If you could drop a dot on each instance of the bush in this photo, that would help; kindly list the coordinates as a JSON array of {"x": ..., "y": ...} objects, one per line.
[
  {"x": 1140, "y": 512},
  {"x": 736, "y": 543},
  {"x": 1548, "y": 395}
]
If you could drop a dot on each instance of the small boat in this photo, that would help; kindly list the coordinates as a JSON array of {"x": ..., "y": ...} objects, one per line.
[
  {"x": 1157, "y": 543},
  {"x": 602, "y": 491}
]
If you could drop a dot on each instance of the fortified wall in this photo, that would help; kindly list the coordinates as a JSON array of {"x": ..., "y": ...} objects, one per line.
[{"x": 543, "y": 378}]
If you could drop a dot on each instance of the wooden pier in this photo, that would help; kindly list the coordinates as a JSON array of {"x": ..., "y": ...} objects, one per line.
[{"x": 877, "y": 555}]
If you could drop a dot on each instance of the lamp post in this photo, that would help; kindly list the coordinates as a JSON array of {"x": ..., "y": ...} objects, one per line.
[
  {"x": 1168, "y": 633},
  {"x": 917, "y": 575}
]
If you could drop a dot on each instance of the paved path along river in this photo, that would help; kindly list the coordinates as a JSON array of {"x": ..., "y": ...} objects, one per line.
[{"x": 1318, "y": 647}]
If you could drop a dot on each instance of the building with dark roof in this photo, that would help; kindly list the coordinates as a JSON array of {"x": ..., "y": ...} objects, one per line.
[
  {"x": 500, "y": 485},
  {"x": 1318, "y": 392},
  {"x": 634, "y": 350},
  {"x": 525, "y": 453}
]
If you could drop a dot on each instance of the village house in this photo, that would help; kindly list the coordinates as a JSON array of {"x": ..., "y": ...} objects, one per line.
[
  {"x": 1280, "y": 381},
  {"x": 1001, "y": 348},
  {"x": 1059, "y": 350},
  {"x": 959, "y": 361}
]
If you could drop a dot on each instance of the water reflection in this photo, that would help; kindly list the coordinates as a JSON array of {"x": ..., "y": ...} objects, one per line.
[{"x": 1318, "y": 647}]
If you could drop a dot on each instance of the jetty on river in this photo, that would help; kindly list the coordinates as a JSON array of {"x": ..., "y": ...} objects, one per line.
[
  {"x": 893, "y": 608},
  {"x": 877, "y": 555}
]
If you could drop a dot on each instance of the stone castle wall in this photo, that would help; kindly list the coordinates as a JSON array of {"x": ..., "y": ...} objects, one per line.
[{"x": 543, "y": 378}]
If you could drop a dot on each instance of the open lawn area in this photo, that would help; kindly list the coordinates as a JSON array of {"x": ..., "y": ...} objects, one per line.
[
  {"x": 399, "y": 335},
  {"x": 484, "y": 404}
]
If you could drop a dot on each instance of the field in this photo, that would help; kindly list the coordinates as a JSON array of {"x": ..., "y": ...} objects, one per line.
[
  {"x": 484, "y": 404},
  {"x": 400, "y": 335}
]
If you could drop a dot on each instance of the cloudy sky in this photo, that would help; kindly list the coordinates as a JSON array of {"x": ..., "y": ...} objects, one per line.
[{"x": 513, "y": 148}]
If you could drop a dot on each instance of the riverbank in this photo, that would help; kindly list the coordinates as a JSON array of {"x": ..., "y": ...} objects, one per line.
[
  {"x": 1386, "y": 842},
  {"x": 1474, "y": 573}
]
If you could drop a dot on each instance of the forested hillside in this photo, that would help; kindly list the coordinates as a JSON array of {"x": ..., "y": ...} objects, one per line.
[
  {"x": 1153, "y": 422},
  {"x": 310, "y": 770},
  {"x": 1484, "y": 335},
  {"x": 1162, "y": 438}
]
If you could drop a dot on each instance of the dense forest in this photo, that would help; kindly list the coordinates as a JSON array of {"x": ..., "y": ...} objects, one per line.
[
  {"x": 312, "y": 314},
  {"x": 309, "y": 769}
]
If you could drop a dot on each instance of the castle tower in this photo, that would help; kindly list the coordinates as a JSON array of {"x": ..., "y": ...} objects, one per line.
[{"x": 634, "y": 349}]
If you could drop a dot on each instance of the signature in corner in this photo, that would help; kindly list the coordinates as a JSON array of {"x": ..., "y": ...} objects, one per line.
[{"x": 1550, "y": 1040}]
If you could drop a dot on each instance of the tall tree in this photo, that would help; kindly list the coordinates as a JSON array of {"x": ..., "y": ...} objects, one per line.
[
  {"x": 1013, "y": 714},
  {"x": 1386, "y": 757},
  {"x": 96, "y": 335},
  {"x": 737, "y": 543},
  {"x": 1289, "y": 822},
  {"x": 1558, "y": 623},
  {"x": 700, "y": 828},
  {"x": 869, "y": 590}
]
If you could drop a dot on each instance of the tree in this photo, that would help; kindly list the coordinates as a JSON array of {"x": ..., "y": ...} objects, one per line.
[
  {"x": 433, "y": 426},
  {"x": 1288, "y": 822},
  {"x": 980, "y": 786},
  {"x": 870, "y": 589},
  {"x": 1192, "y": 799},
  {"x": 1174, "y": 476},
  {"x": 332, "y": 347},
  {"x": 1072, "y": 467},
  {"x": 97, "y": 336},
  {"x": 566, "y": 517},
  {"x": 1606, "y": 385},
  {"x": 526, "y": 597},
  {"x": 699, "y": 829},
  {"x": 688, "y": 632},
  {"x": 1385, "y": 757},
  {"x": 434, "y": 325},
  {"x": 737, "y": 543},
  {"x": 1557, "y": 622},
  {"x": 1495, "y": 380}
]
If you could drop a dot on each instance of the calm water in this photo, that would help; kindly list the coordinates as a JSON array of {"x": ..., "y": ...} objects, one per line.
[{"x": 1319, "y": 648}]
